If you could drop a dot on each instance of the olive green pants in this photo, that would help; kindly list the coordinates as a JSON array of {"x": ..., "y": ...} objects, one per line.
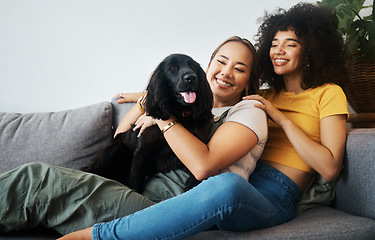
[{"x": 38, "y": 194}]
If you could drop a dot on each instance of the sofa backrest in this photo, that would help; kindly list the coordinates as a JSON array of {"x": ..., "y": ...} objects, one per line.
[{"x": 68, "y": 138}]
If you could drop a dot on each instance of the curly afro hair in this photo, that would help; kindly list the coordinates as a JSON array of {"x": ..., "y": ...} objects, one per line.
[{"x": 325, "y": 52}]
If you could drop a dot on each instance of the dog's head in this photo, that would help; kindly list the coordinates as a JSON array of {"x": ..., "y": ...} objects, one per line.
[{"x": 179, "y": 86}]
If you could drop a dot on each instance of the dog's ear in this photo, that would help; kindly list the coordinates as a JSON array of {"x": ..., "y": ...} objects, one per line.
[
  {"x": 204, "y": 96},
  {"x": 156, "y": 101}
]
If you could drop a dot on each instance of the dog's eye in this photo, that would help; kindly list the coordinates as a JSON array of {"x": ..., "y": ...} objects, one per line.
[{"x": 173, "y": 68}]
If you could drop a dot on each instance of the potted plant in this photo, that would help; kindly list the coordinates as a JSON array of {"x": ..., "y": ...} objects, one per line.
[{"x": 357, "y": 23}]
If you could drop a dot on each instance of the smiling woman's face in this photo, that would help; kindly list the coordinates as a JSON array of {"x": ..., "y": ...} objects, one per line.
[
  {"x": 229, "y": 72},
  {"x": 286, "y": 53}
]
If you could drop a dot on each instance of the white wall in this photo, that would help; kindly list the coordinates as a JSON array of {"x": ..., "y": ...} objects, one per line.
[{"x": 63, "y": 54}]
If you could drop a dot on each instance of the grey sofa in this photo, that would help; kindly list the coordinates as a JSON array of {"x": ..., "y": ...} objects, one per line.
[{"x": 71, "y": 138}]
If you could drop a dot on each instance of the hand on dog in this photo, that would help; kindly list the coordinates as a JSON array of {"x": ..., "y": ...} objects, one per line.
[{"x": 143, "y": 122}]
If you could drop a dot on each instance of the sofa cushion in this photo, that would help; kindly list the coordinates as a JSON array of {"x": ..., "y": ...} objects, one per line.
[
  {"x": 66, "y": 138},
  {"x": 317, "y": 223}
]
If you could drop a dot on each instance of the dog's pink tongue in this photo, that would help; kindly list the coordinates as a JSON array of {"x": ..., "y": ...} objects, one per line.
[{"x": 189, "y": 97}]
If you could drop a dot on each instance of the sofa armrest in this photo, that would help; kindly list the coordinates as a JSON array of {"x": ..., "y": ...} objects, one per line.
[{"x": 355, "y": 188}]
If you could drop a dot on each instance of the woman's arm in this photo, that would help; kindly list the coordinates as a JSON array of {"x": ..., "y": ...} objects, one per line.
[
  {"x": 325, "y": 158},
  {"x": 129, "y": 97},
  {"x": 129, "y": 118},
  {"x": 132, "y": 115},
  {"x": 230, "y": 142}
]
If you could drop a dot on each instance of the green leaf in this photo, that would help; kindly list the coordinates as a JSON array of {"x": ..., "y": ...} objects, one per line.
[{"x": 358, "y": 30}]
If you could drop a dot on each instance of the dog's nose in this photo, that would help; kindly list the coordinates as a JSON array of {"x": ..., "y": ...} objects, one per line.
[{"x": 189, "y": 77}]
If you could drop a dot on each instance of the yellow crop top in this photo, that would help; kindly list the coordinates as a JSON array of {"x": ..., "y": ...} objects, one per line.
[{"x": 305, "y": 110}]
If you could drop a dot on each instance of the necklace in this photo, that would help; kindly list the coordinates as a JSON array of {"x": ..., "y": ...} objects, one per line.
[
  {"x": 292, "y": 99},
  {"x": 288, "y": 96}
]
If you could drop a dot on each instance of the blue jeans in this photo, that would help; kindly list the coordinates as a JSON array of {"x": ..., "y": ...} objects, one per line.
[{"x": 226, "y": 200}]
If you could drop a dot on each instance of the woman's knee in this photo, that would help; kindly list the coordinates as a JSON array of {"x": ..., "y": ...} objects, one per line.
[
  {"x": 34, "y": 165},
  {"x": 228, "y": 186},
  {"x": 33, "y": 168},
  {"x": 229, "y": 179}
]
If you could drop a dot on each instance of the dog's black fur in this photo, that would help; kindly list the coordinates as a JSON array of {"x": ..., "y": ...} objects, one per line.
[{"x": 130, "y": 159}]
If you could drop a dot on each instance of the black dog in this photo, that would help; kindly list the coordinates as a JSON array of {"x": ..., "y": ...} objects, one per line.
[{"x": 178, "y": 86}]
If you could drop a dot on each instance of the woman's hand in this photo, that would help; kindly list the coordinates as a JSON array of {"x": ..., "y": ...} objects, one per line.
[
  {"x": 129, "y": 97},
  {"x": 84, "y": 234},
  {"x": 278, "y": 117},
  {"x": 143, "y": 122}
]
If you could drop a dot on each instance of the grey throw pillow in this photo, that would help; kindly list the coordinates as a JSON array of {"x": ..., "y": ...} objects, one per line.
[{"x": 66, "y": 138}]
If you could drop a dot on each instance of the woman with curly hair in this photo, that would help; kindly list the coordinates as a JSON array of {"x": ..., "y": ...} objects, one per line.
[
  {"x": 302, "y": 64},
  {"x": 301, "y": 59}
]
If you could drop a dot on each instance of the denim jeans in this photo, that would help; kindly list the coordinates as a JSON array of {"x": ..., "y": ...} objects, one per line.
[{"x": 227, "y": 200}]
